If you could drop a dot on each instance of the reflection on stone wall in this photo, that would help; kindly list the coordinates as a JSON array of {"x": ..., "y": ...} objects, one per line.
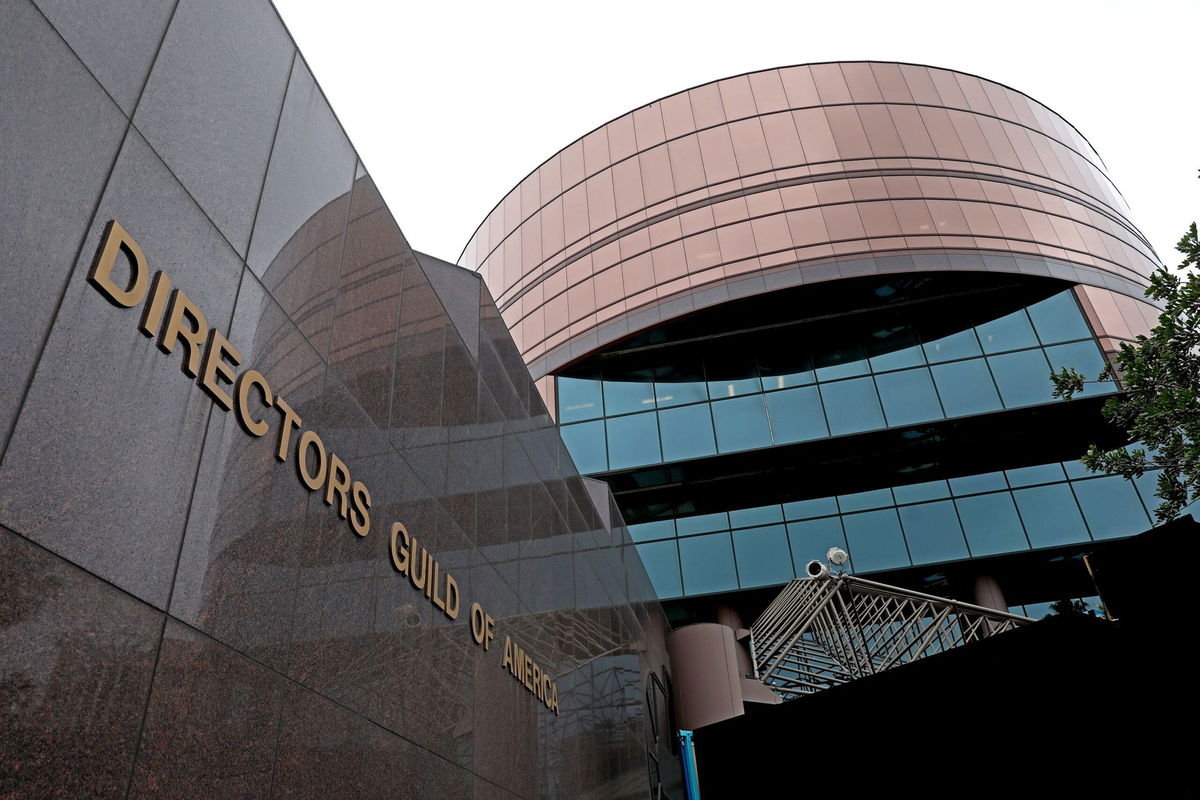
[{"x": 181, "y": 616}]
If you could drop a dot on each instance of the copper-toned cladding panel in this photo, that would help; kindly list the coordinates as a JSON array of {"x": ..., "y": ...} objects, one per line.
[{"x": 786, "y": 169}]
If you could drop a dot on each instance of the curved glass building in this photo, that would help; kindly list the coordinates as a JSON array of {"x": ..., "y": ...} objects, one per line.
[{"x": 818, "y": 306}]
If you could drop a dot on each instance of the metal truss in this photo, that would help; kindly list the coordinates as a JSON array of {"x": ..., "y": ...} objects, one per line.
[{"x": 825, "y": 631}]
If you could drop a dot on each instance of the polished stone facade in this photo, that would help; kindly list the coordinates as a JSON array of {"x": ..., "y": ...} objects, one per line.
[{"x": 179, "y": 615}]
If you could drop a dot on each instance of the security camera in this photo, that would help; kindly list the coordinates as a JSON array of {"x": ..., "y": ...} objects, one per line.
[
  {"x": 838, "y": 557},
  {"x": 816, "y": 569}
]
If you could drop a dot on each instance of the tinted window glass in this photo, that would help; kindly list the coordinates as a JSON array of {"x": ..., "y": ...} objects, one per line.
[
  {"x": 763, "y": 558},
  {"x": 579, "y": 399},
  {"x": 585, "y": 443},
  {"x": 971, "y": 484},
  {"x": 812, "y": 540},
  {"x": 1084, "y": 357},
  {"x": 633, "y": 441},
  {"x": 675, "y": 387},
  {"x": 1010, "y": 332},
  {"x": 861, "y": 501},
  {"x": 796, "y": 415},
  {"x": 1058, "y": 319},
  {"x": 662, "y": 565},
  {"x": 966, "y": 388},
  {"x": 707, "y": 564},
  {"x": 851, "y": 406},
  {"x": 686, "y": 433},
  {"x": 803, "y": 509},
  {"x": 908, "y": 397},
  {"x": 916, "y": 492},
  {"x": 649, "y": 531},
  {"x": 623, "y": 397},
  {"x": 957, "y": 345},
  {"x": 733, "y": 388},
  {"x": 1023, "y": 378},
  {"x": 844, "y": 362},
  {"x": 991, "y": 524},
  {"x": 741, "y": 423},
  {"x": 783, "y": 370},
  {"x": 745, "y": 517},
  {"x": 933, "y": 532},
  {"x": 1111, "y": 507},
  {"x": 875, "y": 540},
  {"x": 702, "y": 523},
  {"x": 1029, "y": 476},
  {"x": 1050, "y": 515}
]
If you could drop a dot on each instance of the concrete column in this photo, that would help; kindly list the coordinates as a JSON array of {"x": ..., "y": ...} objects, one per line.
[
  {"x": 988, "y": 593},
  {"x": 708, "y": 686}
]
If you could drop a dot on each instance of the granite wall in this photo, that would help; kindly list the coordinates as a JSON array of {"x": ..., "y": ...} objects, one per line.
[{"x": 180, "y": 614}]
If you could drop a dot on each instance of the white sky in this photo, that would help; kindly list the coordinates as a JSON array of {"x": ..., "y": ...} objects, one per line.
[{"x": 451, "y": 104}]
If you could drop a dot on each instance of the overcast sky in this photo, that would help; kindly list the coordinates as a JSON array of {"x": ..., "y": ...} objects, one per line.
[{"x": 452, "y": 104}]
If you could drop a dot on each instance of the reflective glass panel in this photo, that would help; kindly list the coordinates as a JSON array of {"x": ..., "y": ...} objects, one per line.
[
  {"x": 805, "y": 509},
  {"x": 848, "y": 360},
  {"x": 585, "y": 443},
  {"x": 1023, "y": 378},
  {"x": 733, "y": 388},
  {"x": 894, "y": 348},
  {"x": 579, "y": 399},
  {"x": 851, "y": 406},
  {"x": 875, "y": 540},
  {"x": 1031, "y": 476},
  {"x": 812, "y": 540},
  {"x": 796, "y": 414},
  {"x": 662, "y": 565},
  {"x": 741, "y": 423},
  {"x": 957, "y": 345},
  {"x": 687, "y": 432},
  {"x": 707, "y": 563},
  {"x": 1111, "y": 507},
  {"x": 633, "y": 441},
  {"x": 1058, "y": 319},
  {"x": 1050, "y": 515},
  {"x": 623, "y": 397},
  {"x": 763, "y": 515},
  {"x": 649, "y": 531},
  {"x": 779, "y": 371},
  {"x": 1084, "y": 357},
  {"x": 916, "y": 492},
  {"x": 763, "y": 558},
  {"x": 861, "y": 501},
  {"x": 974, "y": 484},
  {"x": 991, "y": 524},
  {"x": 1010, "y": 332},
  {"x": 908, "y": 397},
  {"x": 933, "y": 532},
  {"x": 1147, "y": 485},
  {"x": 966, "y": 387},
  {"x": 702, "y": 523},
  {"x": 677, "y": 385}
]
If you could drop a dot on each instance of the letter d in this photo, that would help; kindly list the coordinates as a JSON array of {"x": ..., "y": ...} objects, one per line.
[{"x": 117, "y": 238}]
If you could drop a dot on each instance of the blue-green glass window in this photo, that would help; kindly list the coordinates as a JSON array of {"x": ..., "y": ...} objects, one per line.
[
  {"x": 862, "y": 501},
  {"x": 1038, "y": 610},
  {"x": 1084, "y": 357},
  {"x": 781, "y": 371},
  {"x": 624, "y": 397},
  {"x": 844, "y": 361},
  {"x": 702, "y": 523},
  {"x": 762, "y": 556},
  {"x": 894, "y": 347},
  {"x": 875, "y": 540},
  {"x": 796, "y": 415},
  {"x": 741, "y": 423},
  {"x": 1111, "y": 507},
  {"x": 650, "y": 531},
  {"x": 908, "y": 397},
  {"x": 1050, "y": 515},
  {"x": 974, "y": 484},
  {"x": 1076, "y": 469},
  {"x": 1010, "y": 332},
  {"x": 633, "y": 441},
  {"x": 966, "y": 388},
  {"x": 579, "y": 399},
  {"x": 1031, "y": 476},
  {"x": 933, "y": 532},
  {"x": 1023, "y": 378},
  {"x": 762, "y": 515},
  {"x": 662, "y": 565},
  {"x": 707, "y": 563},
  {"x": 687, "y": 432},
  {"x": 812, "y": 540},
  {"x": 1147, "y": 485},
  {"x": 851, "y": 406},
  {"x": 898, "y": 359},
  {"x": 991, "y": 524},
  {"x": 679, "y": 384},
  {"x": 585, "y": 443},
  {"x": 1058, "y": 319},
  {"x": 805, "y": 509},
  {"x": 733, "y": 388},
  {"x": 917, "y": 492},
  {"x": 949, "y": 348}
]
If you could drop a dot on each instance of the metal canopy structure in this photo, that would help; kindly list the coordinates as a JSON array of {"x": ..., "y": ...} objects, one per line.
[{"x": 828, "y": 630}]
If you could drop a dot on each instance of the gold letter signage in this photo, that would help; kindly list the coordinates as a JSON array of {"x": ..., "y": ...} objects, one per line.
[{"x": 171, "y": 317}]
